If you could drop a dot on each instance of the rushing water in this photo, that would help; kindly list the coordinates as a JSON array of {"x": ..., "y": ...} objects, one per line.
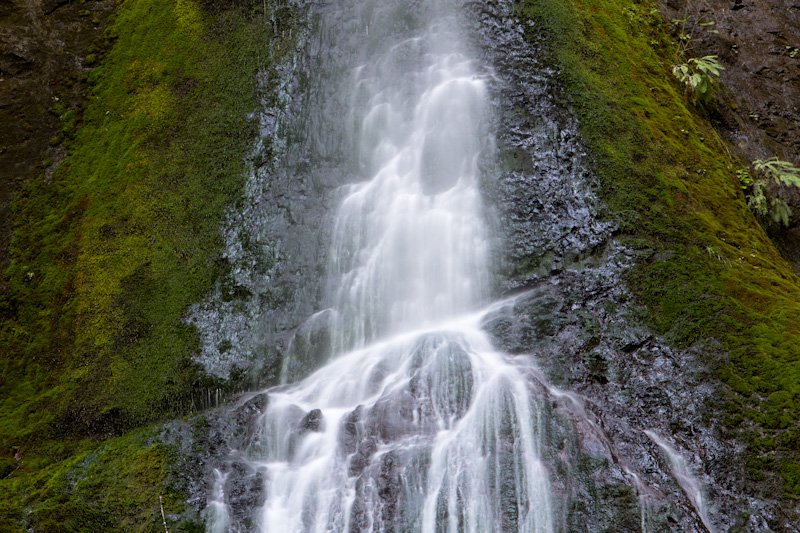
[
  {"x": 416, "y": 423},
  {"x": 414, "y": 420}
]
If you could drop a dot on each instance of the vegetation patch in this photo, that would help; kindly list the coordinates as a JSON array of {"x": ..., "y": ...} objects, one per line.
[
  {"x": 121, "y": 485},
  {"x": 110, "y": 253},
  {"x": 665, "y": 175}
]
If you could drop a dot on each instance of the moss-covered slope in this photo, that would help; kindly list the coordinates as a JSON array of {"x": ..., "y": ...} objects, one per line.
[
  {"x": 119, "y": 486},
  {"x": 670, "y": 183},
  {"x": 109, "y": 255}
]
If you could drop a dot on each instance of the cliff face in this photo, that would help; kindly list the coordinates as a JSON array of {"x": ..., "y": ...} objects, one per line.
[{"x": 654, "y": 294}]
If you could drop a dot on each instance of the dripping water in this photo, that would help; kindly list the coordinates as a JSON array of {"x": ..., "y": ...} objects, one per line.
[
  {"x": 686, "y": 480},
  {"x": 219, "y": 519}
]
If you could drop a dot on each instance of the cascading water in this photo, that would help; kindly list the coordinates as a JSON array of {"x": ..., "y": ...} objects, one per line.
[
  {"x": 416, "y": 423},
  {"x": 409, "y": 245},
  {"x": 422, "y": 415}
]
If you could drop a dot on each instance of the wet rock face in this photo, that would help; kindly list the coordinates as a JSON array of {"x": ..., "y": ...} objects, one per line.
[
  {"x": 570, "y": 319},
  {"x": 277, "y": 238},
  {"x": 576, "y": 320},
  {"x": 617, "y": 381},
  {"x": 538, "y": 182},
  {"x": 43, "y": 48},
  {"x": 214, "y": 441},
  {"x": 309, "y": 348},
  {"x": 313, "y": 421}
]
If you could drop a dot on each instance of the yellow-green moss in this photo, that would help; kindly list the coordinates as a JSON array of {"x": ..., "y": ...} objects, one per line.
[
  {"x": 112, "y": 487},
  {"x": 109, "y": 255}
]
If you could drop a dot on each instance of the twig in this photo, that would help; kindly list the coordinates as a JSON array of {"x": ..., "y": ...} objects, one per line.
[
  {"x": 163, "y": 518},
  {"x": 9, "y": 474}
]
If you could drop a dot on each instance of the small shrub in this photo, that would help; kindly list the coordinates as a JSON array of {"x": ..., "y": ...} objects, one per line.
[
  {"x": 763, "y": 205},
  {"x": 698, "y": 74}
]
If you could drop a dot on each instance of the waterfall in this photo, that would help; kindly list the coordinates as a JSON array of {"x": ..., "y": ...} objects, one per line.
[
  {"x": 409, "y": 400},
  {"x": 409, "y": 245},
  {"x": 415, "y": 423}
]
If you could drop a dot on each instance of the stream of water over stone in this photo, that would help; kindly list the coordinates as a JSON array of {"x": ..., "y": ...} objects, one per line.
[
  {"x": 409, "y": 400},
  {"x": 416, "y": 422}
]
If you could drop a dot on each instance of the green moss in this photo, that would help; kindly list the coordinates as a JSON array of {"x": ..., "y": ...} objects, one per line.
[
  {"x": 666, "y": 177},
  {"x": 113, "y": 487},
  {"x": 108, "y": 257}
]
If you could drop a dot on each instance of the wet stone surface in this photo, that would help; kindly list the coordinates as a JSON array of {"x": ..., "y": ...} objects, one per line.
[
  {"x": 277, "y": 239},
  {"x": 604, "y": 379},
  {"x": 578, "y": 324}
]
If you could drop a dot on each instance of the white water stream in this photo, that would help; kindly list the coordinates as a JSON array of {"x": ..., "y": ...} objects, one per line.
[
  {"x": 690, "y": 485},
  {"x": 417, "y": 423}
]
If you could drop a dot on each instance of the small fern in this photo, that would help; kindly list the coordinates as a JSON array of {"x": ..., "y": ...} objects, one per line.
[
  {"x": 772, "y": 169},
  {"x": 779, "y": 171},
  {"x": 757, "y": 200}
]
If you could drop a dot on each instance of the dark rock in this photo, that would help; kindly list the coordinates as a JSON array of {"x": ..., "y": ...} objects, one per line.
[
  {"x": 360, "y": 460},
  {"x": 252, "y": 408},
  {"x": 313, "y": 421},
  {"x": 349, "y": 435},
  {"x": 245, "y": 490},
  {"x": 310, "y": 346},
  {"x": 48, "y": 6}
]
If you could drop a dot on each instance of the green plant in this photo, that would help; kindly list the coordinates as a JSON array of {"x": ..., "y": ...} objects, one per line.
[
  {"x": 744, "y": 177},
  {"x": 779, "y": 171},
  {"x": 684, "y": 29},
  {"x": 698, "y": 73},
  {"x": 684, "y": 36},
  {"x": 714, "y": 252},
  {"x": 640, "y": 15},
  {"x": 758, "y": 200}
]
